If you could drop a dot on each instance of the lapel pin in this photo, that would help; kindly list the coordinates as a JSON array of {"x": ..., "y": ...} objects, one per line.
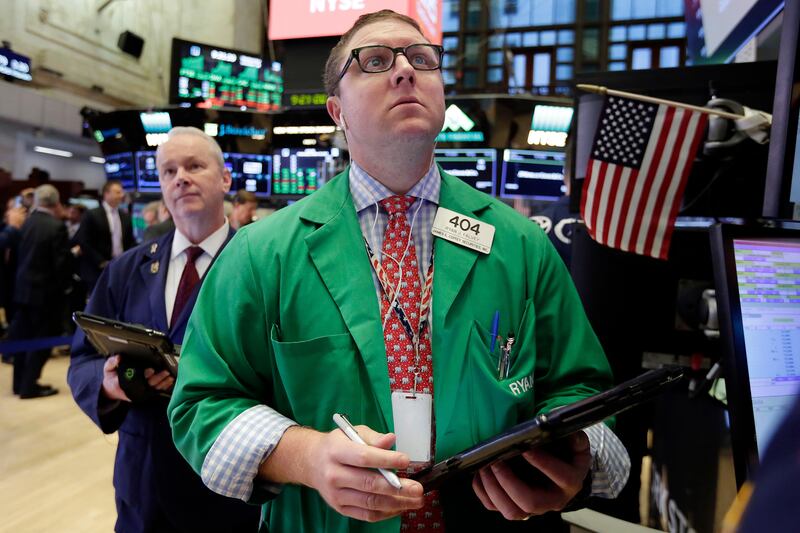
[
  {"x": 154, "y": 267},
  {"x": 153, "y": 247}
]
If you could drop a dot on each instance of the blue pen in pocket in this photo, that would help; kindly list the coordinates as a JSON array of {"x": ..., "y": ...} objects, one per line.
[{"x": 493, "y": 334}]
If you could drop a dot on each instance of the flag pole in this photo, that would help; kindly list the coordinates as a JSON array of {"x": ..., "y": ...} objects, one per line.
[{"x": 599, "y": 89}]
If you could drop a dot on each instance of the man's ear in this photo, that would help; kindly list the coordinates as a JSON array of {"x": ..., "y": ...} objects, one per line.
[
  {"x": 334, "y": 106},
  {"x": 226, "y": 179}
]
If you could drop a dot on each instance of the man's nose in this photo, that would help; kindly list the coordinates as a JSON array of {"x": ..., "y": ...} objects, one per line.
[
  {"x": 182, "y": 177},
  {"x": 403, "y": 71}
]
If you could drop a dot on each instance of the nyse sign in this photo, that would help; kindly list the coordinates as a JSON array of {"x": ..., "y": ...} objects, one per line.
[
  {"x": 547, "y": 138},
  {"x": 327, "y": 6}
]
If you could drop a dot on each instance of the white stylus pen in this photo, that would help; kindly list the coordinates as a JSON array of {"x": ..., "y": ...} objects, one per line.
[{"x": 348, "y": 429}]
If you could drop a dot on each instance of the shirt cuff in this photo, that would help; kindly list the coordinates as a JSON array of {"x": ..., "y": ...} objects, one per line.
[
  {"x": 231, "y": 465},
  {"x": 611, "y": 464}
]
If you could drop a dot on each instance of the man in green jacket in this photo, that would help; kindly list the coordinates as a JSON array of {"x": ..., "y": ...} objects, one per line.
[{"x": 375, "y": 297}]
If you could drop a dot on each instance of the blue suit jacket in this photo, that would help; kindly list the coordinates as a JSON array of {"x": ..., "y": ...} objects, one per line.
[{"x": 150, "y": 477}]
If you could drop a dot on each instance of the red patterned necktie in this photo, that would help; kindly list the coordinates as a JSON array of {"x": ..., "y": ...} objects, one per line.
[
  {"x": 399, "y": 264},
  {"x": 189, "y": 279}
]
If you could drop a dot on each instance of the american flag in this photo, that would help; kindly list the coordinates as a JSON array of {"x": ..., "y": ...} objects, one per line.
[{"x": 640, "y": 161}]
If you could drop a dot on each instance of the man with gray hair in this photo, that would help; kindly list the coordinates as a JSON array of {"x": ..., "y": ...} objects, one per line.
[
  {"x": 42, "y": 275},
  {"x": 156, "y": 284}
]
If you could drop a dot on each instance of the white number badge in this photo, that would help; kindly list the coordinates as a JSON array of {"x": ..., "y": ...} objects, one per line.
[{"x": 463, "y": 230}]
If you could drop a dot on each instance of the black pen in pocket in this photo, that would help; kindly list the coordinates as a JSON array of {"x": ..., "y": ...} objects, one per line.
[{"x": 505, "y": 358}]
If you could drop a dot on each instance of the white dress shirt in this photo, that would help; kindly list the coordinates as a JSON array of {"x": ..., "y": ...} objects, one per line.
[{"x": 177, "y": 260}]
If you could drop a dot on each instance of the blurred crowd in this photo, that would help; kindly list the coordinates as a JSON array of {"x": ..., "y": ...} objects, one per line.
[{"x": 52, "y": 251}]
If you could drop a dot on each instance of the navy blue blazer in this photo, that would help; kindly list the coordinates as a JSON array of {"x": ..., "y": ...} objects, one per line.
[{"x": 150, "y": 477}]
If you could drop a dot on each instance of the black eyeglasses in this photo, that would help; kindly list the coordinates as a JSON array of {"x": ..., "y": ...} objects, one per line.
[{"x": 379, "y": 58}]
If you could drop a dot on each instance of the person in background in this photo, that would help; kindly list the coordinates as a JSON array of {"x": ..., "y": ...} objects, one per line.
[
  {"x": 13, "y": 219},
  {"x": 332, "y": 305},
  {"x": 150, "y": 213},
  {"x": 163, "y": 225},
  {"x": 156, "y": 284},
  {"x": 243, "y": 213},
  {"x": 39, "y": 289},
  {"x": 73, "y": 222},
  {"x": 105, "y": 233},
  {"x": 26, "y": 198}
]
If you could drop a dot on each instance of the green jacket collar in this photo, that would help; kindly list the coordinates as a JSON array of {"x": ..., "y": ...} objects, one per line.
[{"x": 337, "y": 250}]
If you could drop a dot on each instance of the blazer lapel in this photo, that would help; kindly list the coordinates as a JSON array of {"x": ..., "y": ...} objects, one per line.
[
  {"x": 453, "y": 265},
  {"x": 153, "y": 272},
  {"x": 337, "y": 250}
]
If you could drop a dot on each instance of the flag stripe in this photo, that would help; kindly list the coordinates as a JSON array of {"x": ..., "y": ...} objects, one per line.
[
  {"x": 594, "y": 175},
  {"x": 632, "y": 201},
  {"x": 679, "y": 139},
  {"x": 646, "y": 178},
  {"x": 608, "y": 201},
  {"x": 602, "y": 205},
  {"x": 699, "y": 132},
  {"x": 623, "y": 194},
  {"x": 666, "y": 194}
]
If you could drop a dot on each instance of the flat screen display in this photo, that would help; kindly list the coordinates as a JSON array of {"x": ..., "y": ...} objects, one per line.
[
  {"x": 249, "y": 172},
  {"x": 757, "y": 282},
  {"x": 532, "y": 174},
  {"x": 768, "y": 279},
  {"x": 301, "y": 171},
  {"x": 146, "y": 172},
  {"x": 477, "y": 167},
  {"x": 213, "y": 77},
  {"x": 120, "y": 167}
]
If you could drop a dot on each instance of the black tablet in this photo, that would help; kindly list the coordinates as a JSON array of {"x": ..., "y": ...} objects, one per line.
[
  {"x": 551, "y": 426},
  {"x": 148, "y": 346}
]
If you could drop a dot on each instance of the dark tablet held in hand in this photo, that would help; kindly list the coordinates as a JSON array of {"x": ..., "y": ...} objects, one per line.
[
  {"x": 148, "y": 347},
  {"x": 556, "y": 424}
]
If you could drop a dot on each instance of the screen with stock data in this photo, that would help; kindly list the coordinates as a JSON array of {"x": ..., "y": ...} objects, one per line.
[
  {"x": 120, "y": 167},
  {"x": 249, "y": 172},
  {"x": 532, "y": 174},
  {"x": 301, "y": 171},
  {"x": 476, "y": 166},
  {"x": 768, "y": 279}
]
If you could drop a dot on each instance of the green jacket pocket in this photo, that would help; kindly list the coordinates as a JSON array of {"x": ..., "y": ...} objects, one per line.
[{"x": 320, "y": 376}]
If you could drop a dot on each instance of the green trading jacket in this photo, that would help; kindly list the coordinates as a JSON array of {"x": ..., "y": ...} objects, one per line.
[{"x": 288, "y": 317}]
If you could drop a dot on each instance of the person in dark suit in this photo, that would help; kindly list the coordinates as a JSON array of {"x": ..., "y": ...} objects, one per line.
[
  {"x": 42, "y": 276},
  {"x": 105, "y": 232},
  {"x": 10, "y": 234},
  {"x": 156, "y": 490}
]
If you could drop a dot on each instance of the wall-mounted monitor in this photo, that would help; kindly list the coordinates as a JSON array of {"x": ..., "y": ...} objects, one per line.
[
  {"x": 532, "y": 174},
  {"x": 146, "y": 172},
  {"x": 757, "y": 278},
  {"x": 120, "y": 167},
  {"x": 301, "y": 171},
  {"x": 14, "y": 65},
  {"x": 249, "y": 172},
  {"x": 476, "y": 166},
  {"x": 214, "y": 77}
]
